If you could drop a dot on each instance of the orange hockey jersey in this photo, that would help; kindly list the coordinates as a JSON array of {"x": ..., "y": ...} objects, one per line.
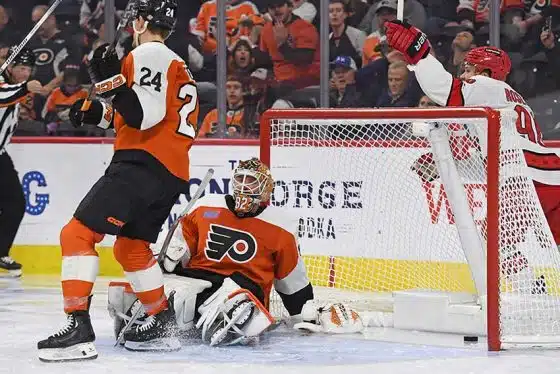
[
  {"x": 262, "y": 248},
  {"x": 481, "y": 8},
  {"x": 169, "y": 102},
  {"x": 206, "y": 23}
]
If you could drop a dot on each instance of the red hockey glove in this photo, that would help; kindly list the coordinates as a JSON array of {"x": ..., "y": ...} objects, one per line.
[{"x": 409, "y": 40}]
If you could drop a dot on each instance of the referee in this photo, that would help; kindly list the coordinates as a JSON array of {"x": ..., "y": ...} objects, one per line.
[{"x": 14, "y": 87}]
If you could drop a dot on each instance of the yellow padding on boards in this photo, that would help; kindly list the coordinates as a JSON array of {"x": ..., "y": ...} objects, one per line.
[
  {"x": 360, "y": 274},
  {"x": 47, "y": 260}
]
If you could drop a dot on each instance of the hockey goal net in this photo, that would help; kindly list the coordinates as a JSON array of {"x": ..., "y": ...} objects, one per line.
[{"x": 422, "y": 219}]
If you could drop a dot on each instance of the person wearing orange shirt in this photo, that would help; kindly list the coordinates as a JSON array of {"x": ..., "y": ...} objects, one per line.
[
  {"x": 154, "y": 112},
  {"x": 225, "y": 257},
  {"x": 238, "y": 13},
  {"x": 293, "y": 47},
  {"x": 57, "y": 109},
  {"x": 235, "y": 127}
]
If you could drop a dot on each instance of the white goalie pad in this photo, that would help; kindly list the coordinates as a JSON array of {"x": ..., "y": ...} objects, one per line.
[
  {"x": 123, "y": 302},
  {"x": 329, "y": 318},
  {"x": 232, "y": 315}
]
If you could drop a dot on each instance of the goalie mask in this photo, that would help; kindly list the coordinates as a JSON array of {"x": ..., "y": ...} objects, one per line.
[{"x": 252, "y": 186}]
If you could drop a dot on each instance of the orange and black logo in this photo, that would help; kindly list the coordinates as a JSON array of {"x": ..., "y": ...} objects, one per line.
[{"x": 239, "y": 246}]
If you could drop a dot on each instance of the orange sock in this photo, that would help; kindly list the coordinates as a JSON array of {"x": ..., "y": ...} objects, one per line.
[
  {"x": 80, "y": 264},
  {"x": 143, "y": 273}
]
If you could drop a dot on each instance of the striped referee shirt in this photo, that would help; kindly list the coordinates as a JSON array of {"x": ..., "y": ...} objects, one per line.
[{"x": 10, "y": 97}]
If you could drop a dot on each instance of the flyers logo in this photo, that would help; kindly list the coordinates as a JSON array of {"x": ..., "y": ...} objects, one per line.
[{"x": 239, "y": 246}]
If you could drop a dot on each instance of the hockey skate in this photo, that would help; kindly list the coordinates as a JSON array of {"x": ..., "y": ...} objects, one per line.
[
  {"x": 13, "y": 268},
  {"x": 73, "y": 342},
  {"x": 157, "y": 333}
]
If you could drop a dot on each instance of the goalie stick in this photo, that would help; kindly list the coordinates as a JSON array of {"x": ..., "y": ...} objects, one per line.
[
  {"x": 127, "y": 16},
  {"x": 166, "y": 242},
  {"x": 29, "y": 36}
]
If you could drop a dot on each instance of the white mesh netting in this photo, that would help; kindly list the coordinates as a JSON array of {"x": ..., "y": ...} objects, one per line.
[{"x": 374, "y": 216}]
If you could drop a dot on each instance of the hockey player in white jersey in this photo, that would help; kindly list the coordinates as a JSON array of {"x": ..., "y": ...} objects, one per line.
[
  {"x": 483, "y": 84},
  {"x": 225, "y": 256},
  {"x": 14, "y": 87}
]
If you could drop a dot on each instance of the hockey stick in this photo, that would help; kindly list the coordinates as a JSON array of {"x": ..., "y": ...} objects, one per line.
[
  {"x": 125, "y": 19},
  {"x": 167, "y": 240},
  {"x": 29, "y": 36},
  {"x": 400, "y": 10},
  {"x": 185, "y": 211}
]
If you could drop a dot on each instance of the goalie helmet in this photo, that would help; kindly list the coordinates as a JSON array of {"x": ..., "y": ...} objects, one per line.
[
  {"x": 489, "y": 58},
  {"x": 252, "y": 186},
  {"x": 159, "y": 13}
]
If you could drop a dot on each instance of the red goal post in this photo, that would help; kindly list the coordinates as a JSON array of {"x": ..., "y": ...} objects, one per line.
[{"x": 389, "y": 155}]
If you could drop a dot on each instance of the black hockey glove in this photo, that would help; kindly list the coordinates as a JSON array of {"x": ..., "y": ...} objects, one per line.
[
  {"x": 105, "y": 71},
  {"x": 99, "y": 114}
]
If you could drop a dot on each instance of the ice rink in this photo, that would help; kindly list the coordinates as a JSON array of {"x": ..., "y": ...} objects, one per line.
[{"x": 30, "y": 310}]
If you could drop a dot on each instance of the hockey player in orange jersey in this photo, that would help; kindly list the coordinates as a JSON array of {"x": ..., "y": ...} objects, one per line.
[
  {"x": 154, "y": 112},
  {"x": 226, "y": 255}
]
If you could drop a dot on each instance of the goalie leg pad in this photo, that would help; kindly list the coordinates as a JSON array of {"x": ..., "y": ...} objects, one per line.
[
  {"x": 232, "y": 315},
  {"x": 122, "y": 303}
]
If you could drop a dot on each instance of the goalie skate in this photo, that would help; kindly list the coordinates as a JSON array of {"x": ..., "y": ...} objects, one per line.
[{"x": 157, "y": 333}]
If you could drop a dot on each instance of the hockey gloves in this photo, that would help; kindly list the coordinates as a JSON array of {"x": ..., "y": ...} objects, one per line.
[
  {"x": 105, "y": 71},
  {"x": 99, "y": 114},
  {"x": 409, "y": 40}
]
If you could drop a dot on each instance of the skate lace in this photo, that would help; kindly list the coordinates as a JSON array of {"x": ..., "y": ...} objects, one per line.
[
  {"x": 7, "y": 259},
  {"x": 150, "y": 322},
  {"x": 69, "y": 324}
]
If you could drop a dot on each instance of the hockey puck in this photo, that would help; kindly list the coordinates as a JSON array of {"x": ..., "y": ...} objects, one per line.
[{"x": 470, "y": 339}]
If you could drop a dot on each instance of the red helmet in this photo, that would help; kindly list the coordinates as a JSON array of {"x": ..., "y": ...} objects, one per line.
[{"x": 490, "y": 58}]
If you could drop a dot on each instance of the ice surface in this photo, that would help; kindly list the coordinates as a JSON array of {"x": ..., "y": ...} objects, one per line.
[{"x": 30, "y": 310}]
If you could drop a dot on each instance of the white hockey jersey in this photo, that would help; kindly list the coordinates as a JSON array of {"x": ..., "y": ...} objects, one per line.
[{"x": 446, "y": 90}]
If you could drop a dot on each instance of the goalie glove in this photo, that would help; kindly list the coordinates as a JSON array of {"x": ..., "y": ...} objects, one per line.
[
  {"x": 408, "y": 40},
  {"x": 177, "y": 251},
  {"x": 329, "y": 318}
]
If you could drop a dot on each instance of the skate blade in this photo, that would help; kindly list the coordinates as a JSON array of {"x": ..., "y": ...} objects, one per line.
[
  {"x": 155, "y": 345},
  {"x": 10, "y": 273},
  {"x": 78, "y": 352}
]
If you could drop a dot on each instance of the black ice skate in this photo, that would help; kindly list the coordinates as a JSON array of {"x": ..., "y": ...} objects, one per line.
[
  {"x": 73, "y": 342},
  {"x": 13, "y": 268},
  {"x": 157, "y": 333}
]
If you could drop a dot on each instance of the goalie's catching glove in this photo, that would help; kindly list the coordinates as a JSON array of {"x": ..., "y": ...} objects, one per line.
[
  {"x": 409, "y": 40},
  {"x": 329, "y": 318}
]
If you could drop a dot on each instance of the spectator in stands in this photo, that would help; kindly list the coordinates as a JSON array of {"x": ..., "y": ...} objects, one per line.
[
  {"x": 344, "y": 40},
  {"x": 425, "y": 102},
  {"x": 304, "y": 10},
  {"x": 254, "y": 99},
  {"x": 357, "y": 9},
  {"x": 552, "y": 50},
  {"x": 51, "y": 50},
  {"x": 461, "y": 45},
  {"x": 403, "y": 90},
  {"x": 293, "y": 47},
  {"x": 235, "y": 122},
  {"x": 414, "y": 13},
  {"x": 241, "y": 61},
  {"x": 344, "y": 93},
  {"x": 9, "y": 34},
  {"x": 58, "y": 105},
  {"x": 206, "y": 22},
  {"x": 374, "y": 46}
]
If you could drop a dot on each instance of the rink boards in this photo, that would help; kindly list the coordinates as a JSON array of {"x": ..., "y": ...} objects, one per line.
[{"x": 340, "y": 226}]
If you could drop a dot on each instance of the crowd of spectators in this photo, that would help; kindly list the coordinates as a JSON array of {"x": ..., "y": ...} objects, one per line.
[{"x": 273, "y": 49}]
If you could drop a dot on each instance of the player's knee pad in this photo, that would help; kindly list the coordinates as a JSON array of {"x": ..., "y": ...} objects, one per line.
[
  {"x": 133, "y": 254},
  {"x": 232, "y": 315},
  {"x": 78, "y": 239}
]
